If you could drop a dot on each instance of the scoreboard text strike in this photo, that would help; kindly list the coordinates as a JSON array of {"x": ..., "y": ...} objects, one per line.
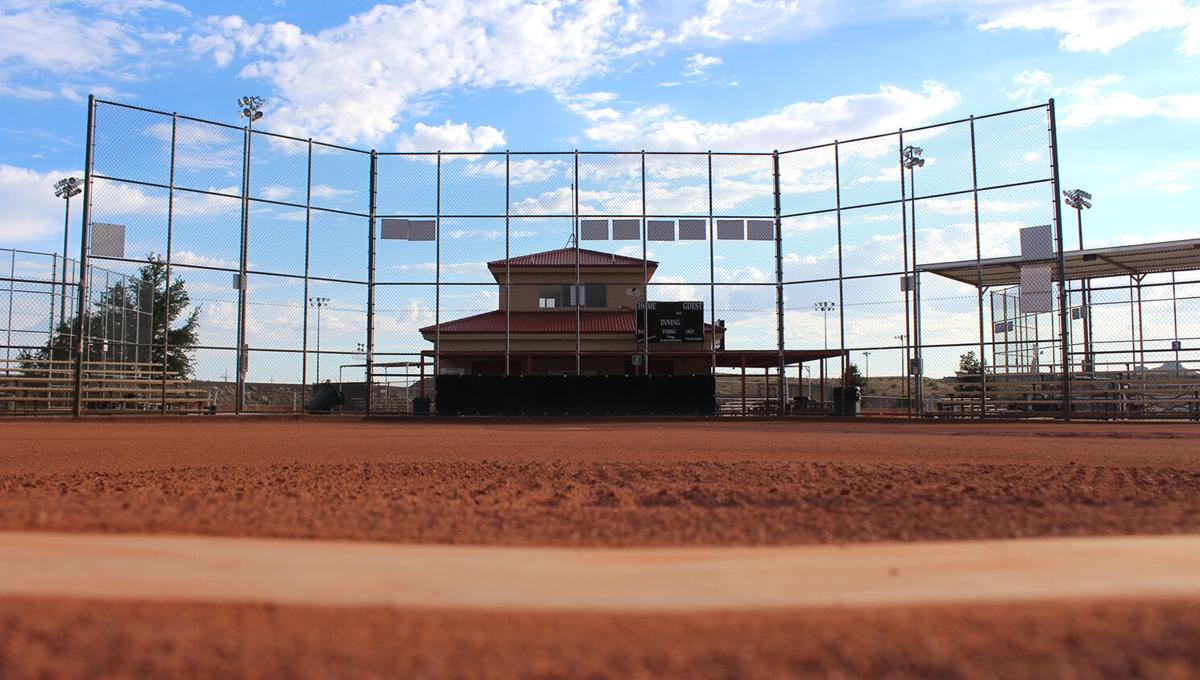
[{"x": 671, "y": 321}]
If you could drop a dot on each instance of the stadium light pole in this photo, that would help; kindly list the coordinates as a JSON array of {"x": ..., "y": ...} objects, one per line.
[
  {"x": 65, "y": 188},
  {"x": 867, "y": 360},
  {"x": 1081, "y": 200},
  {"x": 251, "y": 110},
  {"x": 825, "y": 307},
  {"x": 318, "y": 302},
  {"x": 911, "y": 158}
]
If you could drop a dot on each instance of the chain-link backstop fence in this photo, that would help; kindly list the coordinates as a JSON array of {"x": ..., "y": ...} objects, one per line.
[{"x": 232, "y": 269}]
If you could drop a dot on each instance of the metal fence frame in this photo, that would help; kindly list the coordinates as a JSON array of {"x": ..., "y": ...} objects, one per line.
[{"x": 779, "y": 212}]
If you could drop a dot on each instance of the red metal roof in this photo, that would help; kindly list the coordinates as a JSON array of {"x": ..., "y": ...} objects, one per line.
[
  {"x": 549, "y": 321},
  {"x": 565, "y": 257}
]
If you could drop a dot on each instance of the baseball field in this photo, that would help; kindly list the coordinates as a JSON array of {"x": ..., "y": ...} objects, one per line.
[{"x": 598, "y": 548}]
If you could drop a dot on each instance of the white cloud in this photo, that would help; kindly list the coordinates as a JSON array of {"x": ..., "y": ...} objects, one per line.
[
  {"x": 450, "y": 136},
  {"x": 795, "y": 125},
  {"x": 1173, "y": 179},
  {"x": 755, "y": 19},
  {"x": 1099, "y": 99},
  {"x": 1029, "y": 85},
  {"x": 275, "y": 192},
  {"x": 1084, "y": 25},
  {"x": 1094, "y": 100},
  {"x": 45, "y": 37},
  {"x": 326, "y": 191},
  {"x": 964, "y": 206},
  {"x": 194, "y": 258},
  {"x": 524, "y": 171},
  {"x": 698, "y": 63},
  {"x": 31, "y": 211},
  {"x": 50, "y": 41},
  {"x": 353, "y": 82},
  {"x": 24, "y": 92},
  {"x": 1093, "y": 26}
]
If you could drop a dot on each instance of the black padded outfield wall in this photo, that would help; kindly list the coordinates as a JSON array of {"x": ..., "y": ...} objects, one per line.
[{"x": 576, "y": 395}]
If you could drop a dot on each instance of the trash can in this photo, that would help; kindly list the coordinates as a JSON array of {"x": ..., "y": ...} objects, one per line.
[
  {"x": 420, "y": 406},
  {"x": 325, "y": 398},
  {"x": 847, "y": 401}
]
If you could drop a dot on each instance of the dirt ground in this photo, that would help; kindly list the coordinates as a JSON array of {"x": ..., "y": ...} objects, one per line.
[
  {"x": 71, "y": 639},
  {"x": 600, "y": 483}
]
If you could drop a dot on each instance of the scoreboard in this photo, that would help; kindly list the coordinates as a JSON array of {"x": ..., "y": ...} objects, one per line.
[{"x": 671, "y": 321}]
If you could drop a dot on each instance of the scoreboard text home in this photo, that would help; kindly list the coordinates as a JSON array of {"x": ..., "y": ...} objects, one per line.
[{"x": 671, "y": 321}]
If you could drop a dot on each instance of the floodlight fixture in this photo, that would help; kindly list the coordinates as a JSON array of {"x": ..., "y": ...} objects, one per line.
[
  {"x": 825, "y": 307},
  {"x": 68, "y": 187},
  {"x": 252, "y": 107},
  {"x": 911, "y": 157},
  {"x": 1078, "y": 199}
]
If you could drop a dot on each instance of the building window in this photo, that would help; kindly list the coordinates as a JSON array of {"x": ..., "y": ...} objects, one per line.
[
  {"x": 593, "y": 295},
  {"x": 551, "y": 296}
]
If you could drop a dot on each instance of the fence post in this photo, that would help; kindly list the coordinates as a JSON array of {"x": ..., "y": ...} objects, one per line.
[
  {"x": 507, "y": 262},
  {"x": 80, "y": 343},
  {"x": 12, "y": 282},
  {"x": 906, "y": 284},
  {"x": 645, "y": 280},
  {"x": 779, "y": 288},
  {"x": 712, "y": 272},
  {"x": 437, "y": 280},
  {"x": 239, "y": 403},
  {"x": 578, "y": 294},
  {"x": 837, "y": 185},
  {"x": 304, "y": 300},
  {"x": 978, "y": 277},
  {"x": 1063, "y": 327},
  {"x": 167, "y": 276},
  {"x": 371, "y": 280}
]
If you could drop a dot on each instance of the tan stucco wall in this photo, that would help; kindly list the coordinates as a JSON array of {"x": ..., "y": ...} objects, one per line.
[{"x": 527, "y": 284}]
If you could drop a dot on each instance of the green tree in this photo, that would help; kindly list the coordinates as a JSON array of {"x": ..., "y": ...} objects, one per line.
[
  {"x": 138, "y": 307},
  {"x": 855, "y": 378},
  {"x": 969, "y": 364},
  {"x": 970, "y": 372}
]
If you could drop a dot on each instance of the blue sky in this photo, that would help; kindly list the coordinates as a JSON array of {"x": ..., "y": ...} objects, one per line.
[
  {"x": 674, "y": 74},
  {"x": 727, "y": 75}
]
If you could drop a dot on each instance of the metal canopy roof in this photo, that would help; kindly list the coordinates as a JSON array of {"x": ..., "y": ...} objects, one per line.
[{"x": 1094, "y": 263}]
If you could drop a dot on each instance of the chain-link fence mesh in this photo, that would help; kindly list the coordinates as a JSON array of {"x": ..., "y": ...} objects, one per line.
[{"x": 231, "y": 269}]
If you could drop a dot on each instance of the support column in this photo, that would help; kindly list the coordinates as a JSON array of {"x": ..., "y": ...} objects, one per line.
[
  {"x": 907, "y": 337},
  {"x": 369, "y": 378},
  {"x": 166, "y": 346},
  {"x": 80, "y": 342},
  {"x": 304, "y": 299},
  {"x": 1063, "y": 316},
  {"x": 978, "y": 275},
  {"x": 779, "y": 285}
]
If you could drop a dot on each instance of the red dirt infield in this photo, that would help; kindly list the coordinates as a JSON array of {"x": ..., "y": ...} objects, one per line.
[{"x": 599, "y": 483}]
